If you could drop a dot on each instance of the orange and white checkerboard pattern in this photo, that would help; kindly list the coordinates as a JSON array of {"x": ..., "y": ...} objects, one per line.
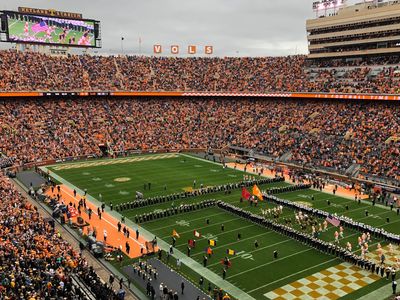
[
  {"x": 332, "y": 283},
  {"x": 390, "y": 256}
]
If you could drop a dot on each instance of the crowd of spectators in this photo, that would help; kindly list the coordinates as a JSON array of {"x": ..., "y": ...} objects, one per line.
[
  {"x": 5, "y": 162},
  {"x": 35, "y": 261},
  {"x": 27, "y": 71},
  {"x": 329, "y": 134}
]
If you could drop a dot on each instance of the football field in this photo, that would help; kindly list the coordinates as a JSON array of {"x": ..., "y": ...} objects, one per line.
[{"x": 299, "y": 271}]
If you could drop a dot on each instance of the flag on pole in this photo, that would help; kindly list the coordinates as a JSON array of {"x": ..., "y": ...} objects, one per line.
[
  {"x": 175, "y": 234},
  {"x": 191, "y": 243},
  {"x": 245, "y": 193},
  {"x": 209, "y": 251},
  {"x": 226, "y": 263},
  {"x": 333, "y": 220},
  {"x": 257, "y": 192},
  {"x": 196, "y": 233},
  {"x": 212, "y": 243},
  {"x": 230, "y": 252}
]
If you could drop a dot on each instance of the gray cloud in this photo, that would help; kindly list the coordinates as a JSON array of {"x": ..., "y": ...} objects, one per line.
[{"x": 233, "y": 27}]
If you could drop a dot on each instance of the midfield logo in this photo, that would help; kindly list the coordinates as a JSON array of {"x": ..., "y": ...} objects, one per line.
[{"x": 182, "y": 223}]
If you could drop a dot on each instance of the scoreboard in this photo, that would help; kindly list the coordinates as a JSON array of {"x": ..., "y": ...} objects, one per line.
[{"x": 49, "y": 29}]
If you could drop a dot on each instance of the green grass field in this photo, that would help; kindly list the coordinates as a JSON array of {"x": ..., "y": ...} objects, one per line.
[{"x": 253, "y": 270}]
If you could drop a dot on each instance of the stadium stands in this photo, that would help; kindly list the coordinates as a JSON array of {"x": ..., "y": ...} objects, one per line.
[
  {"x": 334, "y": 134},
  {"x": 33, "y": 71},
  {"x": 35, "y": 261}
]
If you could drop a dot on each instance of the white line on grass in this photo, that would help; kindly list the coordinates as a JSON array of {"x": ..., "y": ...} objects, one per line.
[
  {"x": 271, "y": 262},
  {"x": 293, "y": 274},
  {"x": 195, "y": 211},
  {"x": 258, "y": 249},
  {"x": 310, "y": 248},
  {"x": 221, "y": 232},
  {"x": 241, "y": 240}
]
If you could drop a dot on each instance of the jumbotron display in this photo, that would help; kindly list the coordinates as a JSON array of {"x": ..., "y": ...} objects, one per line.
[{"x": 39, "y": 29}]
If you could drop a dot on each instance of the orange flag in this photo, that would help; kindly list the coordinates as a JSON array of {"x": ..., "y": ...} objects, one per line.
[
  {"x": 175, "y": 234},
  {"x": 257, "y": 192}
]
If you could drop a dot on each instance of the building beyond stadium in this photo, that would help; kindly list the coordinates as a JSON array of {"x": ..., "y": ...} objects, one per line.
[{"x": 368, "y": 28}]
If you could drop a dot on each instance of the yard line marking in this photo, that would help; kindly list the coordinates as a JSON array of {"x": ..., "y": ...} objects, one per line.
[
  {"x": 241, "y": 240},
  {"x": 258, "y": 249},
  {"x": 293, "y": 274},
  {"x": 172, "y": 225},
  {"x": 248, "y": 270},
  {"x": 390, "y": 223},
  {"x": 224, "y": 232},
  {"x": 271, "y": 262},
  {"x": 199, "y": 228}
]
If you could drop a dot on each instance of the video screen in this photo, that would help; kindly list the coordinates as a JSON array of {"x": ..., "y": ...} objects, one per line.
[{"x": 50, "y": 30}]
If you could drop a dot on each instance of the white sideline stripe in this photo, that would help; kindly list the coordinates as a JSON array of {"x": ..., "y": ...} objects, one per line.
[
  {"x": 112, "y": 225},
  {"x": 203, "y": 160}
]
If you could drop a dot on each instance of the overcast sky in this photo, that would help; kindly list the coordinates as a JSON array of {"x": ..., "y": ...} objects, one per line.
[{"x": 233, "y": 27}]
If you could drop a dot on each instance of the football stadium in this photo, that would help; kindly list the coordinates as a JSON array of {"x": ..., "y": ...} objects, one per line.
[{"x": 179, "y": 172}]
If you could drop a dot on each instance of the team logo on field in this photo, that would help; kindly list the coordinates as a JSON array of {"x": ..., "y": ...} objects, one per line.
[
  {"x": 303, "y": 196},
  {"x": 375, "y": 216},
  {"x": 209, "y": 236},
  {"x": 182, "y": 223},
  {"x": 244, "y": 255},
  {"x": 122, "y": 179},
  {"x": 304, "y": 203}
]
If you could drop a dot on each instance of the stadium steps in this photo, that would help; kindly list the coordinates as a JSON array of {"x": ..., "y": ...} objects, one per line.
[
  {"x": 353, "y": 170},
  {"x": 286, "y": 156},
  {"x": 78, "y": 283},
  {"x": 119, "y": 75},
  {"x": 85, "y": 75}
]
